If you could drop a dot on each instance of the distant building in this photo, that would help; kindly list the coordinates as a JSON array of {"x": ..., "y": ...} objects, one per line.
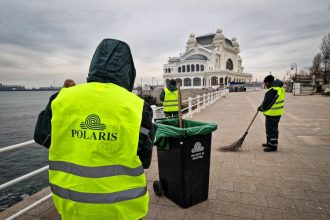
[
  {"x": 210, "y": 60},
  {"x": 11, "y": 87}
]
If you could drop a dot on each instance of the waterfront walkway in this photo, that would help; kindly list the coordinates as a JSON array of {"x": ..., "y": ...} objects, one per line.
[{"x": 292, "y": 183}]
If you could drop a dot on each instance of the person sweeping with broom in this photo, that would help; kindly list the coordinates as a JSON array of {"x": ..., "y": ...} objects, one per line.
[{"x": 273, "y": 108}]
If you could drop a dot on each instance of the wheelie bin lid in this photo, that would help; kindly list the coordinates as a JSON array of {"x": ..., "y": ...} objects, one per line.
[{"x": 169, "y": 128}]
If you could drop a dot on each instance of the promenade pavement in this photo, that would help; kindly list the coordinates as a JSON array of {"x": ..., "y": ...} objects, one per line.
[{"x": 292, "y": 183}]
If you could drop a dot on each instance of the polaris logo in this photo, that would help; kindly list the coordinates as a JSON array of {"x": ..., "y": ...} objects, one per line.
[
  {"x": 92, "y": 129},
  {"x": 92, "y": 122}
]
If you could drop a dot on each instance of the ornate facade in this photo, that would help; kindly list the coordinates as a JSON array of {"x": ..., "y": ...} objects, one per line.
[{"x": 210, "y": 60}]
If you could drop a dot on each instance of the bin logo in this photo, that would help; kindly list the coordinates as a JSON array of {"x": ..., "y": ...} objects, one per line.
[
  {"x": 197, "y": 147},
  {"x": 197, "y": 151}
]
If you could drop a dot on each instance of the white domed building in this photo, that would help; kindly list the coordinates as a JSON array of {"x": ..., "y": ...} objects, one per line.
[{"x": 210, "y": 60}]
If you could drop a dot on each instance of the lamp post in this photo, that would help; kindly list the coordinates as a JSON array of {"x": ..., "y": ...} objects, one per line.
[
  {"x": 294, "y": 66},
  {"x": 326, "y": 58}
]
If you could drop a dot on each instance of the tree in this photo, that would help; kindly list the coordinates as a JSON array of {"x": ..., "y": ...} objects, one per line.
[
  {"x": 325, "y": 45},
  {"x": 315, "y": 69}
]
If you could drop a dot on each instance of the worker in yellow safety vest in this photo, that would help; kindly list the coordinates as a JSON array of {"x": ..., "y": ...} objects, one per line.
[
  {"x": 99, "y": 138},
  {"x": 273, "y": 108},
  {"x": 170, "y": 96}
]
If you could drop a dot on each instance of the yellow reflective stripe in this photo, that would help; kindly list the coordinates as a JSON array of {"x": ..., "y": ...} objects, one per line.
[
  {"x": 95, "y": 185},
  {"x": 95, "y": 172},
  {"x": 170, "y": 105},
  {"x": 101, "y": 198},
  {"x": 279, "y": 102},
  {"x": 174, "y": 100},
  {"x": 276, "y": 108}
]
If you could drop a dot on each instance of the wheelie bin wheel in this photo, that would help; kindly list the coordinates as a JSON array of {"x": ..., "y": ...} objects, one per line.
[{"x": 158, "y": 189}]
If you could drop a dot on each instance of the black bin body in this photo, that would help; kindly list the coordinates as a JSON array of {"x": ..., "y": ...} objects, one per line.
[{"x": 184, "y": 170}]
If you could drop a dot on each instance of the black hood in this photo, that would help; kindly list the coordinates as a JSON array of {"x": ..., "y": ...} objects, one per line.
[
  {"x": 277, "y": 83},
  {"x": 112, "y": 63},
  {"x": 171, "y": 87}
]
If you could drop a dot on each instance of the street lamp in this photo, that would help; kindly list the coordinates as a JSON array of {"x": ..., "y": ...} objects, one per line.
[
  {"x": 326, "y": 59},
  {"x": 294, "y": 66}
]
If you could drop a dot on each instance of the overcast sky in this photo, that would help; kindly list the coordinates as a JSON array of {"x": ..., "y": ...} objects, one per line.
[{"x": 43, "y": 41}]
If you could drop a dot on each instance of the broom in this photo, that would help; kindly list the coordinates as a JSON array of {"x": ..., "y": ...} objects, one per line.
[
  {"x": 237, "y": 144},
  {"x": 179, "y": 106}
]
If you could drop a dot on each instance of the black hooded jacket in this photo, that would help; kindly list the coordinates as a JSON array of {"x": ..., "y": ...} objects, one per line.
[
  {"x": 270, "y": 96},
  {"x": 112, "y": 63}
]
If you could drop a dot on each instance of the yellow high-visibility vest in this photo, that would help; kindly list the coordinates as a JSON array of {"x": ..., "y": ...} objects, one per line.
[
  {"x": 94, "y": 169},
  {"x": 277, "y": 108},
  {"x": 171, "y": 100}
]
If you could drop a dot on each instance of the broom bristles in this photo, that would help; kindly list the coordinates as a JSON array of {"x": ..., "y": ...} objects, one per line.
[{"x": 235, "y": 146}]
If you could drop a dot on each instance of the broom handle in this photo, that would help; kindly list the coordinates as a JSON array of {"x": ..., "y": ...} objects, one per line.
[
  {"x": 179, "y": 106},
  {"x": 252, "y": 122}
]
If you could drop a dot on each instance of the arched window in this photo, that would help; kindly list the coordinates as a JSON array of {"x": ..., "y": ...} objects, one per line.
[
  {"x": 183, "y": 69},
  {"x": 202, "y": 68},
  {"x": 187, "y": 82},
  {"x": 214, "y": 81},
  {"x": 192, "y": 68},
  {"x": 178, "y": 81},
  {"x": 197, "y": 81},
  {"x": 229, "y": 64},
  {"x": 221, "y": 80},
  {"x": 165, "y": 70},
  {"x": 179, "y": 69},
  {"x": 197, "y": 67},
  {"x": 226, "y": 80},
  {"x": 229, "y": 79},
  {"x": 188, "y": 68}
]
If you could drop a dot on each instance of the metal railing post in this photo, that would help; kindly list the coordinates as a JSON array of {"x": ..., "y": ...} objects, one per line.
[
  {"x": 189, "y": 107},
  {"x": 198, "y": 100},
  {"x": 154, "y": 111},
  {"x": 204, "y": 101}
]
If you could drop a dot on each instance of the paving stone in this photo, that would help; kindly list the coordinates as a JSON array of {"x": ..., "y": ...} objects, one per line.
[
  {"x": 244, "y": 187},
  {"x": 295, "y": 194},
  {"x": 226, "y": 217},
  {"x": 247, "y": 211},
  {"x": 225, "y": 185},
  {"x": 268, "y": 190},
  {"x": 253, "y": 199},
  {"x": 291, "y": 184},
  {"x": 311, "y": 179},
  {"x": 195, "y": 215},
  {"x": 274, "y": 214},
  {"x": 228, "y": 196},
  {"x": 310, "y": 206},
  {"x": 169, "y": 213},
  {"x": 309, "y": 216},
  {"x": 280, "y": 202},
  {"x": 320, "y": 187}
]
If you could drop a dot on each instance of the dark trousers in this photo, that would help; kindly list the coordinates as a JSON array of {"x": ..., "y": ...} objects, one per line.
[{"x": 272, "y": 130}]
